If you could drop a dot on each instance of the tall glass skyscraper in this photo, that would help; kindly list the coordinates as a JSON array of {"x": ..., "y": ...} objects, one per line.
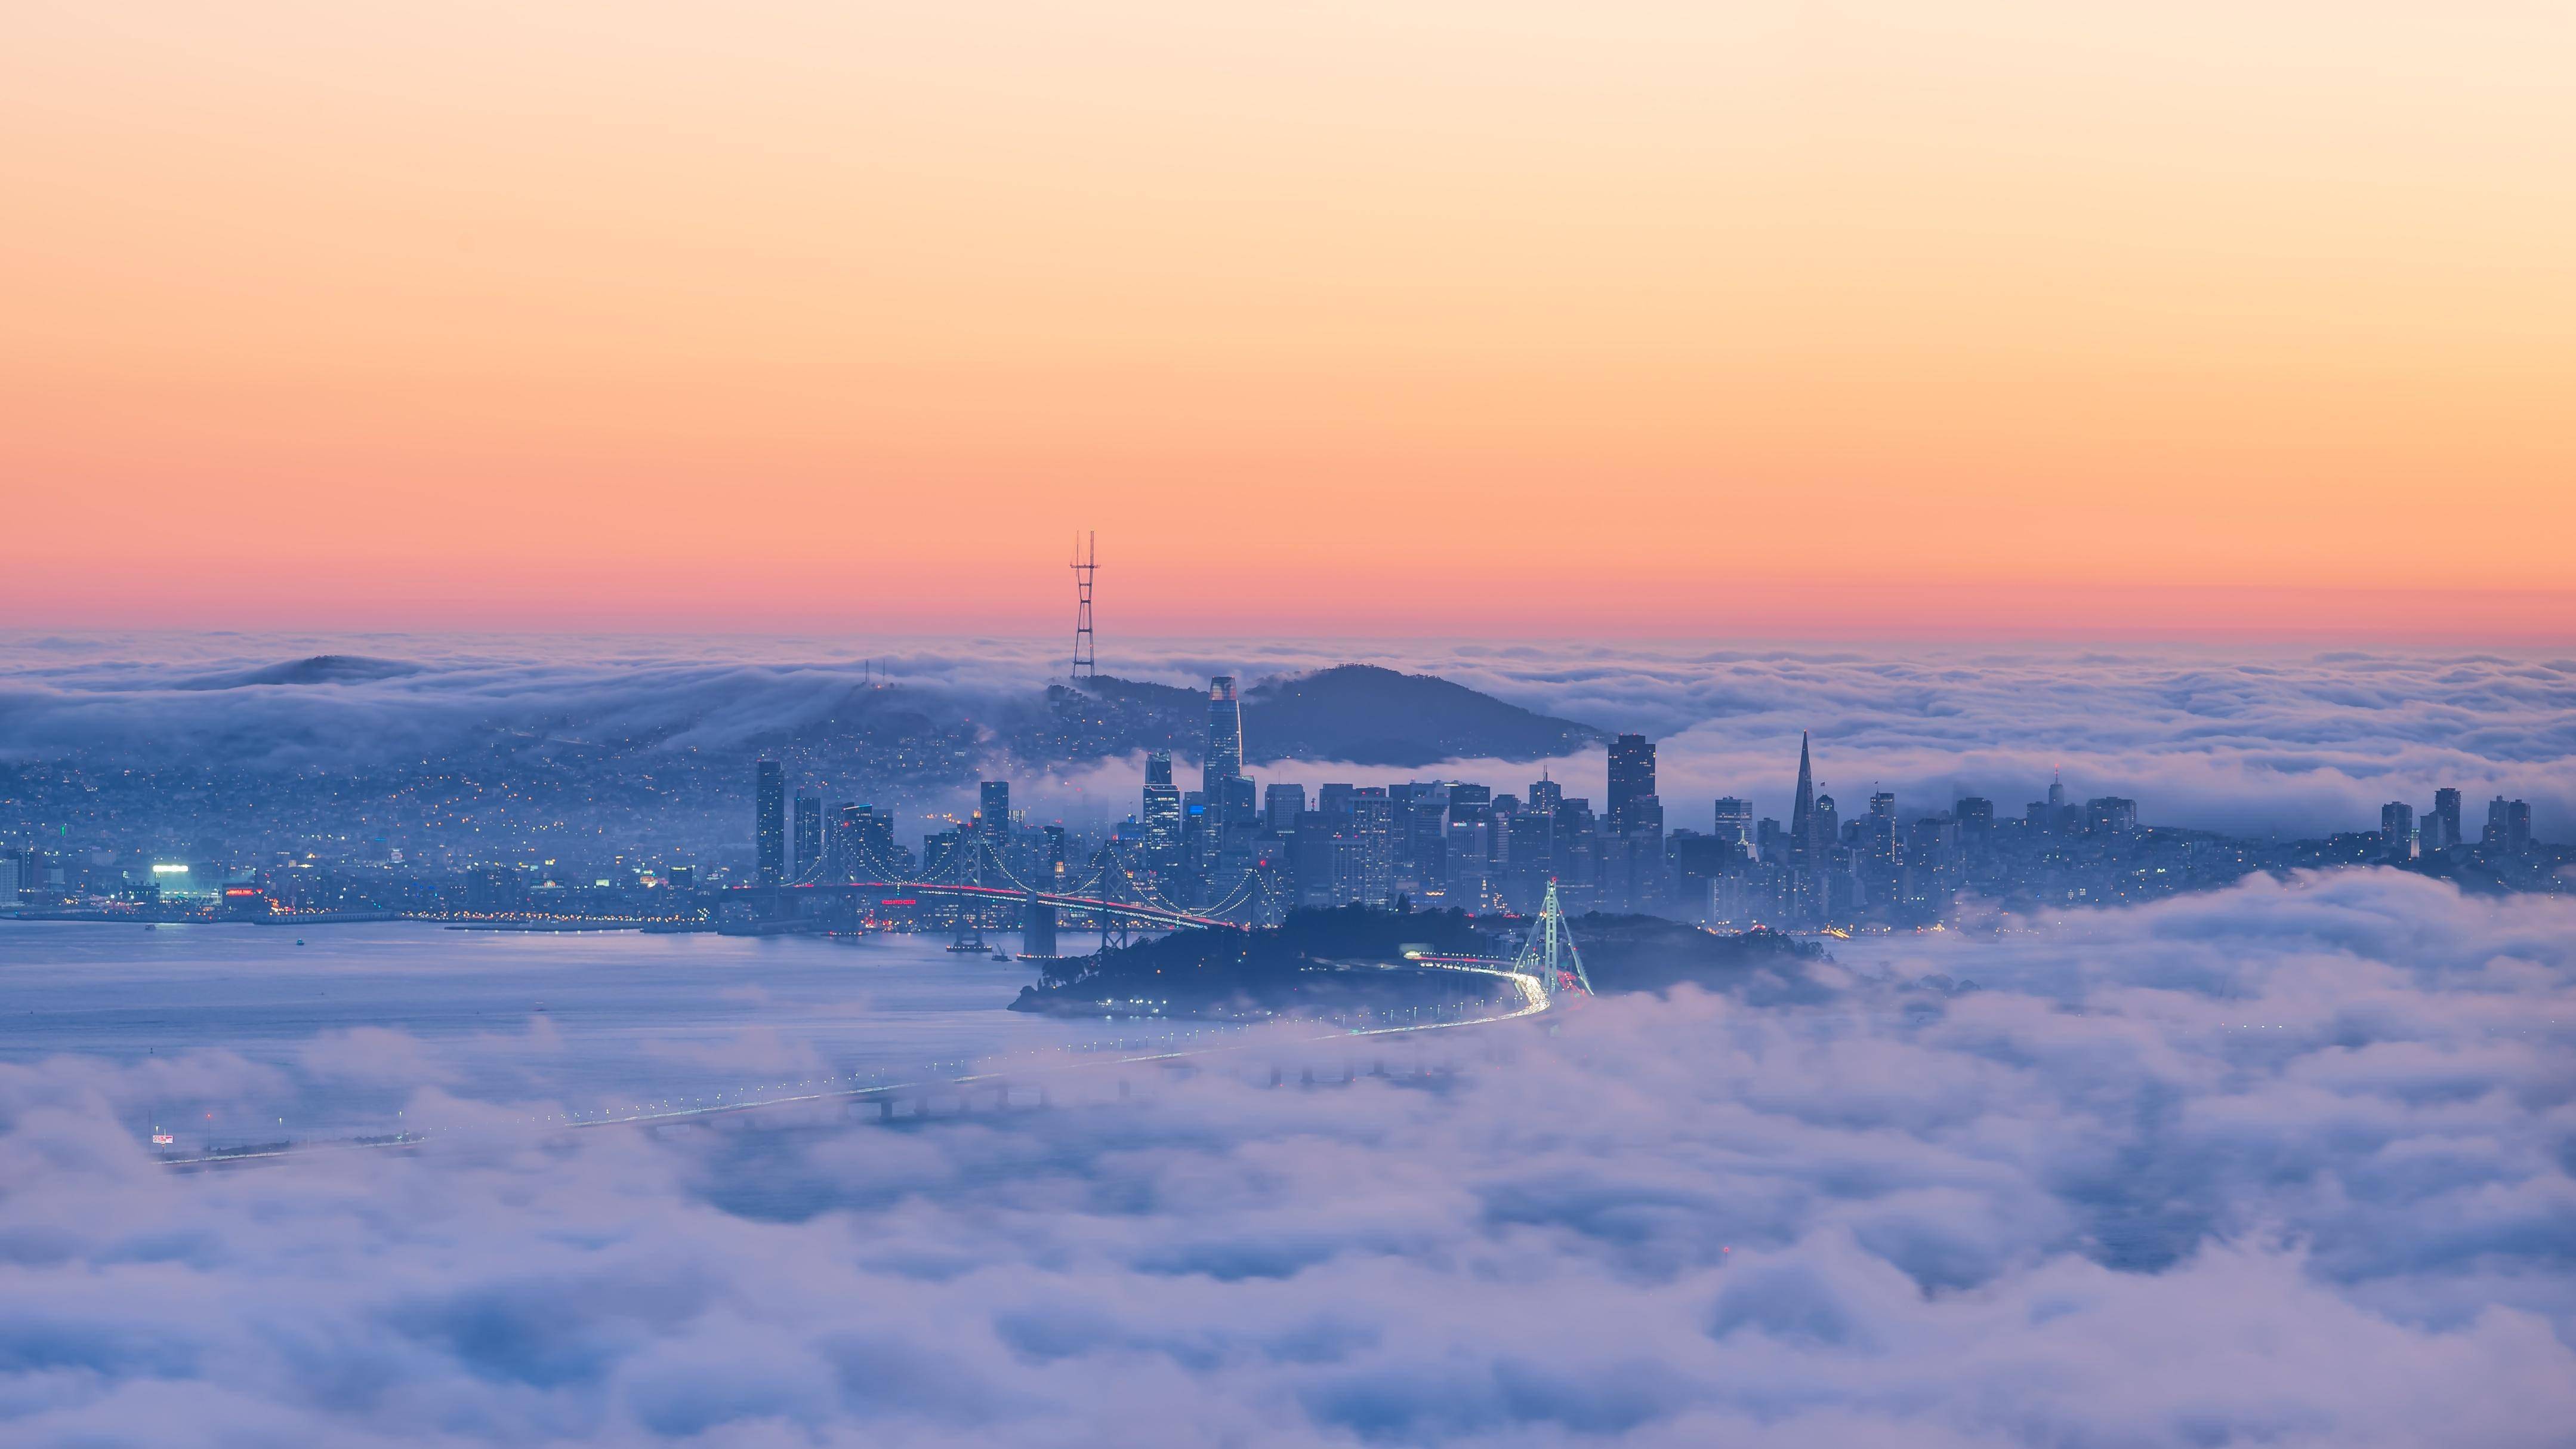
[
  {"x": 1632, "y": 777},
  {"x": 769, "y": 821},
  {"x": 1161, "y": 813},
  {"x": 1225, "y": 738}
]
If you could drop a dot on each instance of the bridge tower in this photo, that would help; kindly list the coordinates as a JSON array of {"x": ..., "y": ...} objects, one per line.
[
  {"x": 1549, "y": 954},
  {"x": 1037, "y": 929},
  {"x": 968, "y": 868}
]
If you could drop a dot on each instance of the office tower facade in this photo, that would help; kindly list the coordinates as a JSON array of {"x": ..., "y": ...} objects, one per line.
[
  {"x": 1734, "y": 821},
  {"x": 1464, "y": 860},
  {"x": 809, "y": 836},
  {"x": 1879, "y": 840},
  {"x": 1198, "y": 839},
  {"x": 1373, "y": 826},
  {"x": 2397, "y": 828},
  {"x": 1224, "y": 737},
  {"x": 867, "y": 844},
  {"x": 1634, "y": 870},
  {"x": 1280, "y": 807},
  {"x": 1526, "y": 857},
  {"x": 1632, "y": 776},
  {"x": 1976, "y": 817},
  {"x": 1333, "y": 802},
  {"x": 1544, "y": 796},
  {"x": 1160, "y": 814},
  {"x": 2508, "y": 826},
  {"x": 769, "y": 820},
  {"x": 1421, "y": 811},
  {"x": 1576, "y": 839},
  {"x": 1234, "y": 804},
  {"x": 993, "y": 810},
  {"x": 1732, "y": 902},
  {"x": 2441, "y": 828},
  {"x": 2110, "y": 815}
]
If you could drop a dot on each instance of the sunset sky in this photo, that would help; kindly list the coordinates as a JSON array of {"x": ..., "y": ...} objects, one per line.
[{"x": 1890, "y": 318}]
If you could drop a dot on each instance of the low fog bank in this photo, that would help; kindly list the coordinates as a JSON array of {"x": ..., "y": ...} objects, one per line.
[
  {"x": 2287, "y": 1163},
  {"x": 2246, "y": 741}
]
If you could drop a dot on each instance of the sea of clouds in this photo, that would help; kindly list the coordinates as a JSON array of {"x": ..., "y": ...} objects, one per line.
[
  {"x": 2242, "y": 739},
  {"x": 2290, "y": 1164}
]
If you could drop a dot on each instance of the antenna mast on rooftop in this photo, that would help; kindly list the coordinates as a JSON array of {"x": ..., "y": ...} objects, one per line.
[{"x": 1086, "y": 562}]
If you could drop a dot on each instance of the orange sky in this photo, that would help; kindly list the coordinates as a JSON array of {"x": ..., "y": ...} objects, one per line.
[{"x": 1879, "y": 319}]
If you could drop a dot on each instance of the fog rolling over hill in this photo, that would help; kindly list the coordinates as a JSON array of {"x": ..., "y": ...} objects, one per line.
[
  {"x": 1361, "y": 713},
  {"x": 654, "y": 752}
]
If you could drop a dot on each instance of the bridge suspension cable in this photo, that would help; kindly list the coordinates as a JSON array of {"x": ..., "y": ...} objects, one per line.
[{"x": 1549, "y": 953}]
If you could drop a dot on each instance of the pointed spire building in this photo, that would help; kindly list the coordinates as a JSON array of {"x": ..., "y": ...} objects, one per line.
[{"x": 1802, "y": 815}]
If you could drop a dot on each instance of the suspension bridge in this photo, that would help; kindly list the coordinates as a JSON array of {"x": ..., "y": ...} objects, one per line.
[
  {"x": 1122, "y": 895},
  {"x": 1117, "y": 892}
]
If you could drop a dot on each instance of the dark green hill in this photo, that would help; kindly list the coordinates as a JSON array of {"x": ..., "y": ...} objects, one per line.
[
  {"x": 1358, "y": 713},
  {"x": 1373, "y": 716},
  {"x": 1317, "y": 962},
  {"x": 1649, "y": 953}
]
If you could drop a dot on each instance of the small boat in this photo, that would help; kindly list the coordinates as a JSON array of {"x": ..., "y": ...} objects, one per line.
[{"x": 1001, "y": 956}]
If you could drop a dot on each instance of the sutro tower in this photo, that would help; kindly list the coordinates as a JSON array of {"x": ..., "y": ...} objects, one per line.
[{"x": 1085, "y": 663}]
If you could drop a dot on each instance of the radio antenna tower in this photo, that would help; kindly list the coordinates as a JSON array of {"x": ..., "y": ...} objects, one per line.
[{"x": 1085, "y": 660}]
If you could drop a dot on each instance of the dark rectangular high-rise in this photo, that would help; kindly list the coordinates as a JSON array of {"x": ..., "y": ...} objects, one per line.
[
  {"x": 2508, "y": 826},
  {"x": 1734, "y": 821},
  {"x": 1280, "y": 807},
  {"x": 2397, "y": 828},
  {"x": 1373, "y": 825},
  {"x": 1160, "y": 815},
  {"x": 1545, "y": 795},
  {"x": 993, "y": 809},
  {"x": 1632, "y": 777},
  {"x": 769, "y": 820},
  {"x": 2440, "y": 828}
]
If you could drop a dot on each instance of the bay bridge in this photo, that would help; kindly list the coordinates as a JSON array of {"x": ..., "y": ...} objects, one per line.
[
  {"x": 1119, "y": 894},
  {"x": 1122, "y": 897}
]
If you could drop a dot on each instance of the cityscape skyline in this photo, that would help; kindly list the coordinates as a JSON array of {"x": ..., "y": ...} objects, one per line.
[{"x": 1237, "y": 851}]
